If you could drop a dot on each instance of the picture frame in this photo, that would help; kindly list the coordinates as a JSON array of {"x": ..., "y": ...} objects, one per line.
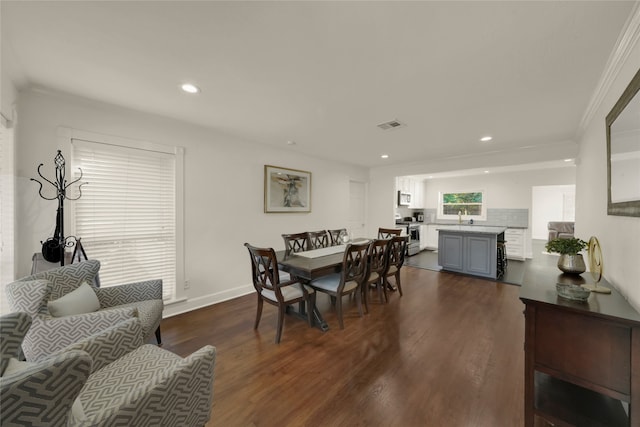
[{"x": 286, "y": 190}]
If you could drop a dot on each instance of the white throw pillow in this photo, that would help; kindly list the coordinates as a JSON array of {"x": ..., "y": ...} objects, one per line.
[
  {"x": 16, "y": 365},
  {"x": 80, "y": 301}
]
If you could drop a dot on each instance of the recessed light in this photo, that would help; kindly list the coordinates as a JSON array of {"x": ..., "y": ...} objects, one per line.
[
  {"x": 567, "y": 160},
  {"x": 486, "y": 171},
  {"x": 486, "y": 138},
  {"x": 384, "y": 156},
  {"x": 190, "y": 88}
]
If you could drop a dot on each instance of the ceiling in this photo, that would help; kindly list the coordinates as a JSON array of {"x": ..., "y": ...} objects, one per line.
[{"x": 323, "y": 74}]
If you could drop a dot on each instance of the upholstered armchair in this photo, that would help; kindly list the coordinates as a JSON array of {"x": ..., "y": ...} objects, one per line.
[
  {"x": 35, "y": 294},
  {"x": 560, "y": 230},
  {"x": 107, "y": 379}
]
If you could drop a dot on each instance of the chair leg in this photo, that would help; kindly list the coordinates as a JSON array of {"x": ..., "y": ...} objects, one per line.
[
  {"x": 384, "y": 283},
  {"x": 365, "y": 294},
  {"x": 339, "y": 310},
  {"x": 359, "y": 301},
  {"x": 158, "y": 337},
  {"x": 398, "y": 284},
  {"x": 280, "y": 323},
  {"x": 380, "y": 287},
  {"x": 258, "y": 313}
]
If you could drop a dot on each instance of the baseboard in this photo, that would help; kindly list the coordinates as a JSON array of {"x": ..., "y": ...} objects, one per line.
[{"x": 191, "y": 304}]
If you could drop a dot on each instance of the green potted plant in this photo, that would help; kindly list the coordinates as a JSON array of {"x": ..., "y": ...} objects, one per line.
[{"x": 571, "y": 260}]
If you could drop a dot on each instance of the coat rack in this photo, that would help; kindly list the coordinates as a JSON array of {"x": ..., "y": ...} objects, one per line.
[{"x": 53, "y": 249}]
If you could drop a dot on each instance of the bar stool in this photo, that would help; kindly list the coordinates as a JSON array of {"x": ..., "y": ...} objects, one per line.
[{"x": 501, "y": 258}]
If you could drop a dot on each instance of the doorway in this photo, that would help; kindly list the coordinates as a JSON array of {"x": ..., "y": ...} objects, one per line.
[
  {"x": 551, "y": 203},
  {"x": 357, "y": 211}
]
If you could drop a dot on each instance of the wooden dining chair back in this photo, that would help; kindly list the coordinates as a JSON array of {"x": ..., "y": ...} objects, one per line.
[
  {"x": 349, "y": 280},
  {"x": 378, "y": 262},
  {"x": 336, "y": 236},
  {"x": 388, "y": 233},
  {"x": 269, "y": 288},
  {"x": 318, "y": 239},
  {"x": 397, "y": 251},
  {"x": 294, "y": 243}
]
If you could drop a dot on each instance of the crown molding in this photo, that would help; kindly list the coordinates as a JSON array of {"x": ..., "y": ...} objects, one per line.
[{"x": 625, "y": 44}]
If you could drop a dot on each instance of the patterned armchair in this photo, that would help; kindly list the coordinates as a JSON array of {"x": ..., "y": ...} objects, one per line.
[
  {"x": 106, "y": 379},
  {"x": 49, "y": 334}
]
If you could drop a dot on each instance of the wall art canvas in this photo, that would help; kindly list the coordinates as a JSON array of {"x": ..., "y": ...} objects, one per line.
[{"x": 286, "y": 190}]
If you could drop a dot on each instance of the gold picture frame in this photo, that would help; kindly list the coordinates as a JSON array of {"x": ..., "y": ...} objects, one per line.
[{"x": 286, "y": 190}]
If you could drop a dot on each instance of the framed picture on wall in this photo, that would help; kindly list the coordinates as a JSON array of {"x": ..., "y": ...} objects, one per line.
[{"x": 286, "y": 190}]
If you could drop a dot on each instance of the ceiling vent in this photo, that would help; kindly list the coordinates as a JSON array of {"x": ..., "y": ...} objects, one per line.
[{"x": 393, "y": 124}]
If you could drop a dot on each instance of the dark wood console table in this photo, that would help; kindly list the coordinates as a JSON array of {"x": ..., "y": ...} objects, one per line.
[{"x": 582, "y": 359}]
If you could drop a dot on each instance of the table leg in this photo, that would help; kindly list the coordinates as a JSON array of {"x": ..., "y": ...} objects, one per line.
[
  {"x": 318, "y": 320},
  {"x": 316, "y": 316}
]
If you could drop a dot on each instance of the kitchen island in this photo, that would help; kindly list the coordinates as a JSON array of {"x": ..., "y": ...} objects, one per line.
[{"x": 470, "y": 249}]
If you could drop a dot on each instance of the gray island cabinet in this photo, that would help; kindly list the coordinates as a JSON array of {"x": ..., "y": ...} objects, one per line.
[{"x": 469, "y": 249}]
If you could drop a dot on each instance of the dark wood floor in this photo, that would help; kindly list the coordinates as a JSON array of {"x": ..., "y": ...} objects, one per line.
[{"x": 447, "y": 353}]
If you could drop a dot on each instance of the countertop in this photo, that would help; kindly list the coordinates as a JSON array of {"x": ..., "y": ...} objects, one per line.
[
  {"x": 476, "y": 224},
  {"x": 479, "y": 229}
]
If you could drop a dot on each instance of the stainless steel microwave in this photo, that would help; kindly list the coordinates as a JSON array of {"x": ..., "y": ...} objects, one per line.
[{"x": 404, "y": 199}]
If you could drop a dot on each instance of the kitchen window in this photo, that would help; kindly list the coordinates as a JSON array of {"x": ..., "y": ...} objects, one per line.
[
  {"x": 128, "y": 215},
  {"x": 462, "y": 205}
]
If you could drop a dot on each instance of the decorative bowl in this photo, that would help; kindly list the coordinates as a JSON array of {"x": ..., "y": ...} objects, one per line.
[{"x": 572, "y": 292}]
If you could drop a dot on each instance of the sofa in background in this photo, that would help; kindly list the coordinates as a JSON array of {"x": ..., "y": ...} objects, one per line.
[{"x": 560, "y": 229}]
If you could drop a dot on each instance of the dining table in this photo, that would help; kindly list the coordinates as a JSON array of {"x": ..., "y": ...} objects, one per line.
[{"x": 310, "y": 265}]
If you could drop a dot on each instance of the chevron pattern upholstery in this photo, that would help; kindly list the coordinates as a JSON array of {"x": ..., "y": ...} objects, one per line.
[
  {"x": 107, "y": 346},
  {"x": 13, "y": 328},
  {"x": 36, "y": 395},
  {"x": 49, "y": 334},
  {"x": 117, "y": 381}
]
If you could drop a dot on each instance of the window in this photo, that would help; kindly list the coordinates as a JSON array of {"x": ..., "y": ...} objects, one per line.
[
  {"x": 127, "y": 215},
  {"x": 468, "y": 205}
]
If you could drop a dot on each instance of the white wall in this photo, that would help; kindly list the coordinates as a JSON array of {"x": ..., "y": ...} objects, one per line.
[
  {"x": 549, "y": 203},
  {"x": 619, "y": 236},
  {"x": 382, "y": 179},
  {"x": 223, "y": 189},
  {"x": 508, "y": 190}
]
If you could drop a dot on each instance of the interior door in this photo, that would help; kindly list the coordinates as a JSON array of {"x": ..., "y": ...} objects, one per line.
[{"x": 357, "y": 211}]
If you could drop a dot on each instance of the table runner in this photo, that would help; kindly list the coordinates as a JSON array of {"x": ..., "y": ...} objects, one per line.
[{"x": 316, "y": 253}]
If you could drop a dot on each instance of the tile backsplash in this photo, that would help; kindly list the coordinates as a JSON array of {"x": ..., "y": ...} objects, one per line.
[{"x": 500, "y": 217}]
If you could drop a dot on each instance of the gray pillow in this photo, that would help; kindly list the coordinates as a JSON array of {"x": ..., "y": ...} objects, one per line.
[{"x": 80, "y": 301}]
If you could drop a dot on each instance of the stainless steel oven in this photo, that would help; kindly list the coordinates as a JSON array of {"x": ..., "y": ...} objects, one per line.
[{"x": 413, "y": 230}]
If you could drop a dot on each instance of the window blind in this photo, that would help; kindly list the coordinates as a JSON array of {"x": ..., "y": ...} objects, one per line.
[{"x": 126, "y": 216}]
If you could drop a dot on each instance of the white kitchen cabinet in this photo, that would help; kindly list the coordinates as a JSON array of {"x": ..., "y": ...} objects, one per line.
[
  {"x": 423, "y": 236},
  {"x": 403, "y": 184},
  {"x": 417, "y": 195},
  {"x": 514, "y": 238},
  {"x": 431, "y": 237}
]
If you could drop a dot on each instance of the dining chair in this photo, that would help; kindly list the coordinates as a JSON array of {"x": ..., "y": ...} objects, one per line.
[
  {"x": 269, "y": 288},
  {"x": 297, "y": 242},
  {"x": 318, "y": 239},
  {"x": 336, "y": 236},
  {"x": 387, "y": 233},
  {"x": 397, "y": 250},
  {"x": 349, "y": 281},
  {"x": 378, "y": 260}
]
